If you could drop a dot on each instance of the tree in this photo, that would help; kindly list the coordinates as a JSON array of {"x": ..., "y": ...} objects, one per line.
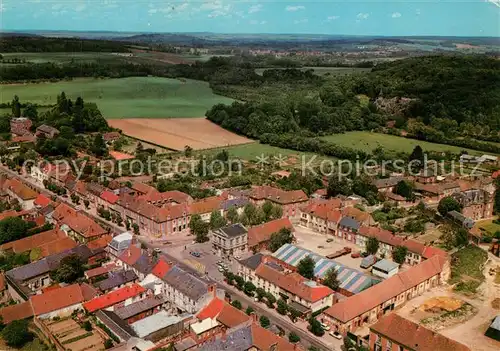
[
  {"x": 249, "y": 288},
  {"x": 294, "y": 314},
  {"x": 448, "y": 204},
  {"x": 338, "y": 185},
  {"x": 306, "y": 267},
  {"x": 271, "y": 300},
  {"x": 86, "y": 203},
  {"x": 16, "y": 107},
  {"x": 461, "y": 237},
  {"x": 236, "y": 304},
  {"x": 135, "y": 227},
  {"x": 282, "y": 307},
  {"x": 232, "y": 215},
  {"x": 264, "y": 322},
  {"x": 315, "y": 327},
  {"x": 240, "y": 282},
  {"x": 496, "y": 199},
  {"x": 417, "y": 156},
  {"x": 216, "y": 220},
  {"x": 188, "y": 151},
  {"x": 99, "y": 147},
  {"x": 282, "y": 237},
  {"x": 261, "y": 293},
  {"x": 16, "y": 333},
  {"x": 87, "y": 326},
  {"x": 404, "y": 189},
  {"x": 108, "y": 343},
  {"x": 198, "y": 228},
  {"x": 372, "y": 245},
  {"x": 267, "y": 208},
  {"x": 399, "y": 254},
  {"x": 293, "y": 338},
  {"x": 249, "y": 310},
  {"x": 13, "y": 228},
  {"x": 70, "y": 269},
  {"x": 331, "y": 280}
]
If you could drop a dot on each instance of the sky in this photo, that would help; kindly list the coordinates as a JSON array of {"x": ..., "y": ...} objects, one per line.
[{"x": 343, "y": 17}]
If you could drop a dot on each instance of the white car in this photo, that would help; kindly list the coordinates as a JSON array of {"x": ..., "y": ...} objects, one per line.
[
  {"x": 335, "y": 334},
  {"x": 221, "y": 269},
  {"x": 325, "y": 327}
]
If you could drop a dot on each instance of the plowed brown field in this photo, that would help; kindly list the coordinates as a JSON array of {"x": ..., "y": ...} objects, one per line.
[{"x": 176, "y": 133}]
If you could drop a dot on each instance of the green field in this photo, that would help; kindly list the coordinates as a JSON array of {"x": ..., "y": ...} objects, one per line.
[
  {"x": 146, "y": 97},
  {"x": 321, "y": 71},
  {"x": 367, "y": 141}
]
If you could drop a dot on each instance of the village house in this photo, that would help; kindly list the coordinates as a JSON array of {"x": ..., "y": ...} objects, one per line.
[
  {"x": 186, "y": 291},
  {"x": 370, "y": 305},
  {"x": 110, "y": 137},
  {"x": 230, "y": 241},
  {"x": 20, "y": 125},
  {"x": 260, "y": 235},
  {"x": 119, "y": 244},
  {"x": 386, "y": 185},
  {"x": 140, "y": 261},
  {"x": 140, "y": 309},
  {"x": 322, "y": 216},
  {"x": 476, "y": 203},
  {"x": 46, "y": 131},
  {"x": 206, "y": 206},
  {"x": 290, "y": 201},
  {"x": 348, "y": 228},
  {"x": 395, "y": 333},
  {"x": 50, "y": 172},
  {"x": 303, "y": 295},
  {"x": 153, "y": 221},
  {"x": 18, "y": 191},
  {"x": 116, "y": 298},
  {"x": 76, "y": 224}
]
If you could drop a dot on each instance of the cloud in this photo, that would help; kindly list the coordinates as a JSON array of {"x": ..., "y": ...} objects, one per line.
[
  {"x": 300, "y": 21},
  {"x": 333, "y": 18},
  {"x": 255, "y": 22},
  {"x": 255, "y": 8},
  {"x": 362, "y": 16},
  {"x": 396, "y": 15},
  {"x": 295, "y": 8},
  {"x": 418, "y": 12},
  {"x": 56, "y": 7},
  {"x": 494, "y": 2}
]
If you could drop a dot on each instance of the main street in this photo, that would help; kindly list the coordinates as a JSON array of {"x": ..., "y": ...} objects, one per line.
[{"x": 283, "y": 322}]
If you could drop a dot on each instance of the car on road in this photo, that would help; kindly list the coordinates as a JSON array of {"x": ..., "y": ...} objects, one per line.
[
  {"x": 335, "y": 334},
  {"x": 325, "y": 327},
  {"x": 195, "y": 254},
  {"x": 329, "y": 240}
]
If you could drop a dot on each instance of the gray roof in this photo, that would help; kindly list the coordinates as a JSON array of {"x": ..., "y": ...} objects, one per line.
[
  {"x": 349, "y": 222},
  {"x": 117, "y": 325},
  {"x": 386, "y": 265},
  {"x": 387, "y": 182},
  {"x": 186, "y": 283},
  {"x": 252, "y": 262},
  {"x": 145, "y": 263},
  {"x": 121, "y": 242},
  {"x": 368, "y": 261},
  {"x": 496, "y": 323},
  {"x": 238, "y": 202},
  {"x": 139, "y": 307},
  {"x": 155, "y": 322},
  {"x": 233, "y": 230},
  {"x": 184, "y": 344},
  {"x": 237, "y": 339},
  {"x": 116, "y": 279}
]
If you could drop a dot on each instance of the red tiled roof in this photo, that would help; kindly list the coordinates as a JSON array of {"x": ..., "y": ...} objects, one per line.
[
  {"x": 113, "y": 297},
  {"x": 42, "y": 200},
  {"x": 414, "y": 246},
  {"x": 264, "y": 339},
  {"x": 131, "y": 255},
  {"x": 57, "y": 246},
  {"x": 168, "y": 196},
  {"x": 16, "y": 312},
  {"x": 430, "y": 251},
  {"x": 120, "y": 156},
  {"x": 108, "y": 196},
  {"x": 77, "y": 221},
  {"x": 382, "y": 235},
  {"x": 88, "y": 292},
  {"x": 414, "y": 336},
  {"x": 356, "y": 305},
  {"x": 110, "y": 136},
  {"x": 161, "y": 268},
  {"x": 157, "y": 214},
  {"x": 100, "y": 243},
  {"x": 231, "y": 316},
  {"x": 357, "y": 214},
  {"x": 211, "y": 310},
  {"x": 206, "y": 205},
  {"x": 142, "y": 188},
  {"x": 294, "y": 283},
  {"x": 99, "y": 270},
  {"x": 37, "y": 240},
  {"x": 327, "y": 210},
  {"x": 20, "y": 189},
  {"x": 263, "y": 232},
  {"x": 56, "y": 299},
  {"x": 277, "y": 195},
  {"x": 495, "y": 175}
]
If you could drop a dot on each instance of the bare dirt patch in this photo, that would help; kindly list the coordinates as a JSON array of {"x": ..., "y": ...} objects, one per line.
[
  {"x": 176, "y": 133},
  {"x": 441, "y": 303}
]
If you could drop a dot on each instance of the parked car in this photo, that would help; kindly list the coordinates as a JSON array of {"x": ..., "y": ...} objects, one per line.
[
  {"x": 335, "y": 334},
  {"x": 329, "y": 240},
  {"x": 325, "y": 327},
  {"x": 346, "y": 250},
  {"x": 356, "y": 254},
  {"x": 221, "y": 269},
  {"x": 195, "y": 254}
]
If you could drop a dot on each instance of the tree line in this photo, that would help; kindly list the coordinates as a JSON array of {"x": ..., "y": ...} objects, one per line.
[{"x": 18, "y": 43}]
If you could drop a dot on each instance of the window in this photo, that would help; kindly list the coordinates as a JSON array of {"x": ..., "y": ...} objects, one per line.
[
  {"x": 401, "y": 348},
  {"x": 388, "y": 346}
]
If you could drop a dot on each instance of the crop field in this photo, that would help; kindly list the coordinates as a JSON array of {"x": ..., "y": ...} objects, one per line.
[
  {"x": 368, "y": 141},
  {"x": 134, "y": 97},
  {"x": 322, "y": 71},
  {"x": 176, "y": 133}
]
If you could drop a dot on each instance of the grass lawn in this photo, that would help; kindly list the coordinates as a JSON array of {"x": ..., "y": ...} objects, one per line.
[
  {"x": 368, "y": 141},
  {"x": 488, "y": 226},
  {"x": 467, "y": 268},
  {"x": 254, "y": 151},
  {"x": 148, "y": 97}
]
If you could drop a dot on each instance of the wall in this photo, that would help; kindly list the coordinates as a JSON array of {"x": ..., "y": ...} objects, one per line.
[{"x": 63, "y": 312}]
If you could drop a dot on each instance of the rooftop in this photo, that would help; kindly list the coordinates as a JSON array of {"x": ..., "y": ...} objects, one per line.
[
  {"x": 386, "y": 265},
  {"x": 414, "y": 336},
  {"x": 116, "y": 279},
  {"x": 57, "y": 299},
  {"x": 253, "y": 261},
  {"x": 113, "y": 297},
  {"x": 277, "y": 195},
  {"x": 232, "y": 230},
  {"x": 186, "y": 283},
  {"x": 262, "y": 233},
  {"x": 139, "y": 307},
  {"x": 155, "y": 322}
]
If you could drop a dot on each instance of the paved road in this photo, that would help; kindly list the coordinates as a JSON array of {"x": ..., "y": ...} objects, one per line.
[{"x": 283, "y": 322}]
